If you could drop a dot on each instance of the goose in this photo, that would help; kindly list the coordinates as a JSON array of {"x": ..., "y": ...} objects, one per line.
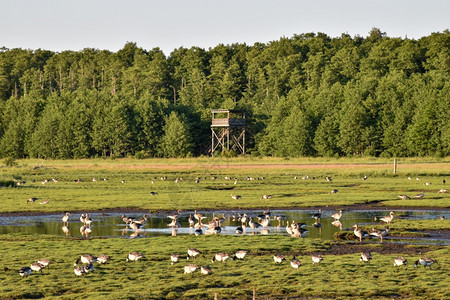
[
  {"x": 328, "y": 178},
  {"x": 174, "y": 258},
  {"x": 241, "y": 254},
  {"x": 360, "y": 233},
  {"x": 141, "y": 221},
  {"x": 404, "y": 197},
  {"x": 25, "y": 271},
  {"x": 254, "y": 226},
  {"x": 126, "y": 220},
  {"x": 337, "y": 216},
  {"x": 265, "y": 222},
  {"x": 88, "y": 220},
  {"x": 89, "y": 268},
  {"x": 289, "y": 228},
  {"x": 365, "y": 178},
  {"x": 417, "y": 178},
  {"x": 278, "y": 258},
  {"x": 85, "y": 259},
  {"x": 192, "y": 252},
  {"x": 46, "y": 201},
  {"x": 137, "y": 226},
  {"x": 65, "y": 219},
  {"x": 297, "y": 230},
  {"x": 239, "y": 230},
  {"x": 244, "y": 219},
  {"x": 94, "y": 179},
  {"x": 191, "y": 221},
  {"x": 44, "y": 262},
  {"x": 388, "y": 219},
  {"x": 420, "y": 196},
  {"x": 365, "y": 256},
  {"x": 333, "y": 191},
  {"x": 236, "y": 197},
  {"x": 173, "y": 224},
  {"x": 175, "y": 216},
  {"x": 79, "y": 271},
  {"x": 83, "y": 219},
  {"x": 198, "y": 231},
  {"x": 380, "y": 233},
  {"x": 425, "y": 262},
  {"x": 317, "y": 215},
  {"x": 266, "y": 197},
  {"x": 153, "y": 193},
  {"x": 190, "y": 268},
  {"x": 295, "y": 263},
  {"x": 205, "y": 270},
  {"x": 220, "y": 257},
  {"x": 280, "y": 219},
  {"x": 427, "y": 183},
  {"x": 135, "y": 256},
  {"x": 103, "y": 259},
  {"x": 32, "y": 200},
  {"x": 37, "y": 267},
  {"x": 199, "y": 217},
  {"x": 442, "y": 191},
  {"x": 316, "y": 259},
  {"x": 123, "y": 181},
  {"x": 399, "y": 261}
]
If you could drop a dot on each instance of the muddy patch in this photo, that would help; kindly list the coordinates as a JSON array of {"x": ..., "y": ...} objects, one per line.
[{"x": 388, "y": 248}]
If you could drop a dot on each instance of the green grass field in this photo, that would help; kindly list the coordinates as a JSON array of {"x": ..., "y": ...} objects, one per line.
[
  {"x": 382, "y": 186},
  {"x": 341, "y": 275}
]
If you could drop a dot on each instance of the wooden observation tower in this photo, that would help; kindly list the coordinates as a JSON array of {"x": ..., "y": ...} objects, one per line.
[{"x": 228, "y": 130}]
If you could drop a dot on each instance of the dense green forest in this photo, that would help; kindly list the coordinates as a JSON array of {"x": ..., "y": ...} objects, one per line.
[{"x": 308, "y": 95}]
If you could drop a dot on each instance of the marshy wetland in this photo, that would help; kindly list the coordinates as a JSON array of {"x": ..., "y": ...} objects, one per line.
[{"x": 157, "y": 188}]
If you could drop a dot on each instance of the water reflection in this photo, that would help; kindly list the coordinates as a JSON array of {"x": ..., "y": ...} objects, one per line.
[{"x": 229, "y": 223}]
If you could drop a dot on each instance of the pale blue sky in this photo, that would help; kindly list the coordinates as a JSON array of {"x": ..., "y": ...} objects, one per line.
[{"x": 59, "y": 25}]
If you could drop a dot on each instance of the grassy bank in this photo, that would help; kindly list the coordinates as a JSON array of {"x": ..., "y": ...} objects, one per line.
[{"x": 130, "y": 182}]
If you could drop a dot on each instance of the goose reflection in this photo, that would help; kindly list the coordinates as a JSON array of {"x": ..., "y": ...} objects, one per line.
[
  {"x": 66, "y": 230},
  {"x": 337, "y": 223}
]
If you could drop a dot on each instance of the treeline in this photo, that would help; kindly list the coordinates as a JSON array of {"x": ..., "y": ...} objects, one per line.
[{"x": 308, "y": 95}]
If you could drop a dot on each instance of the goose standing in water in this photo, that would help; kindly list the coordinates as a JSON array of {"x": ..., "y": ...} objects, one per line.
[
  {"x": 337, "y": 216},
  {"x": 317, "y": 215},
  {"x": 380, "y": 233},
  {"x": 65, "y": 219},
  {"x": 388, "y": 219}
]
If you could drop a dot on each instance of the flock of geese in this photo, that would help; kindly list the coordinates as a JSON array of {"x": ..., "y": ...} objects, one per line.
[{"x": 87, "y": 261}]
